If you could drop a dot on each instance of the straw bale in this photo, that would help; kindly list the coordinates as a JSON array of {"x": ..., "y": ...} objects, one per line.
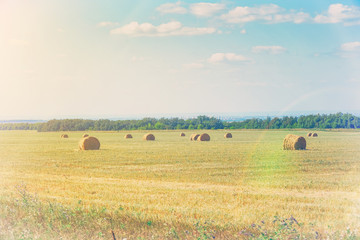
[
  {"x": 128, "y": 136},
  {"x": 204, "y": 137},
  {"x": 194, "y": 136},
  {"x": 89, "y": 143},
  {"x": 149, "y": 137},
  {"x": 228, "y": 135},
  {"x": 64, "y": 136},
  {"x": 293, "y": 142}
]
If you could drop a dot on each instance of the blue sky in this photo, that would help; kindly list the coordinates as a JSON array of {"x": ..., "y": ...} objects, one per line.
[{"x": 119, "y": 58}]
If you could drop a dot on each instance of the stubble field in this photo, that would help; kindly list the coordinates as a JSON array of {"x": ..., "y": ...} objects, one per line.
[{"x": 173, "y": 188}]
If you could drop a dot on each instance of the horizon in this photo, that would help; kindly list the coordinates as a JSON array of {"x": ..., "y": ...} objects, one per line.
[
  {"x": 223, "y": 116},
  {"x": 95, "y": 59}
]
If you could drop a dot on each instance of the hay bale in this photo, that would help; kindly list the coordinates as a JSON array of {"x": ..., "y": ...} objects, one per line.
[
  {"x": 89, "y": 143},
  {"x": 309, "y": 134},
  {"x": 194, "y": 137},
  {"x": 204, "y": 137},
  {"x": 85, "y": 135},
  {"x": 128, "y": 136},
  {"x": 182, "y": 134},
  {"x": 315, "y": 135},
  {"x": 149, "y": 137},
  {"x": 64, "y": 136},
  {"x": 293, "y": 142},
  {"x": 228, "y": 135}
]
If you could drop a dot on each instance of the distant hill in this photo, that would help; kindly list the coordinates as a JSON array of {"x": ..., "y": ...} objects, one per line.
[{"x": 22, "y": 121}]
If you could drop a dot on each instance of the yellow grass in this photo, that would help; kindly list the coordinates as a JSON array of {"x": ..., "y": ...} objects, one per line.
[{"x": 231, "y": 182}]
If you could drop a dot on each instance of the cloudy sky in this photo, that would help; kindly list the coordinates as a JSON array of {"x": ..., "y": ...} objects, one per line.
[{"x": 119, "y": 58}]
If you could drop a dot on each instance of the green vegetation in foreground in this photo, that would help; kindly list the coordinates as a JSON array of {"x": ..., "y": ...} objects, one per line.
[
  {"x": 25, "y": 217},
  {"x": 244, "y": 187},
  {"x": 324, "y": 121}
]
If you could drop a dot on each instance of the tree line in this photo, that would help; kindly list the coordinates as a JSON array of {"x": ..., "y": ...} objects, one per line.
[{"x": 323, "y": 121}]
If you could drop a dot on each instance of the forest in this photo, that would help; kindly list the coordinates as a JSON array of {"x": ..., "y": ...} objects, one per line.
[{"x": 319, "y": 121}]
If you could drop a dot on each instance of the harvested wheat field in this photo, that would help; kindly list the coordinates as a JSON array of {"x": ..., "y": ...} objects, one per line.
[{"x": 174, "y": 189}]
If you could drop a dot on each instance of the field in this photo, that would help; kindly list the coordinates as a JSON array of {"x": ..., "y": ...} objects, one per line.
[{"x": 244, "y": 187}]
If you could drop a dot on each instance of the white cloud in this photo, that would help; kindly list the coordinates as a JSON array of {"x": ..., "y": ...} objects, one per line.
[
  {"x": 107, "y": 24},
  {"x": 206, "y": 9},
  {"x": 269, "y": 49},
  {"x": 352, "y": 23},
  {"x": 294, "y": 17},
  {"x": 351, "y": 46},
  {"x": 172, "y": 8},
  {"x": 230, "y": 57},
  {"x": 249, "y": 14},
  {"x": 193, "y": 65},
  {"x": 339, "y": 13},
  {"x": 270, "y": 13},
  {"x": 243, "y": 31},
  {"x": 167, "y": 29}
]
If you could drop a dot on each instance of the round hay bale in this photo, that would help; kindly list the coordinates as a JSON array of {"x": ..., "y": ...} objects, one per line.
[
  {"x": 315, "y": 135},
  {"x": 89, "y": 143},
  {"x": 228, "y": 135},
  {"x": 293, "y": 142},
  {"x": 194, "y": 137},
  {"x": 64, "y": 136},
  {"x": 309, "y": 134},
  {"x": 182, "y": 134},
  {"x": 204, "y": 137},
  {"x": 128, "y": 136},
  {"x": 149, "y": 137},
  {"x": 85, "y": 135}
]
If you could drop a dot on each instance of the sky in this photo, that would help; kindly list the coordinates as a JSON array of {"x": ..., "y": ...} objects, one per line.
[{"x": 115, "y": 58}]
